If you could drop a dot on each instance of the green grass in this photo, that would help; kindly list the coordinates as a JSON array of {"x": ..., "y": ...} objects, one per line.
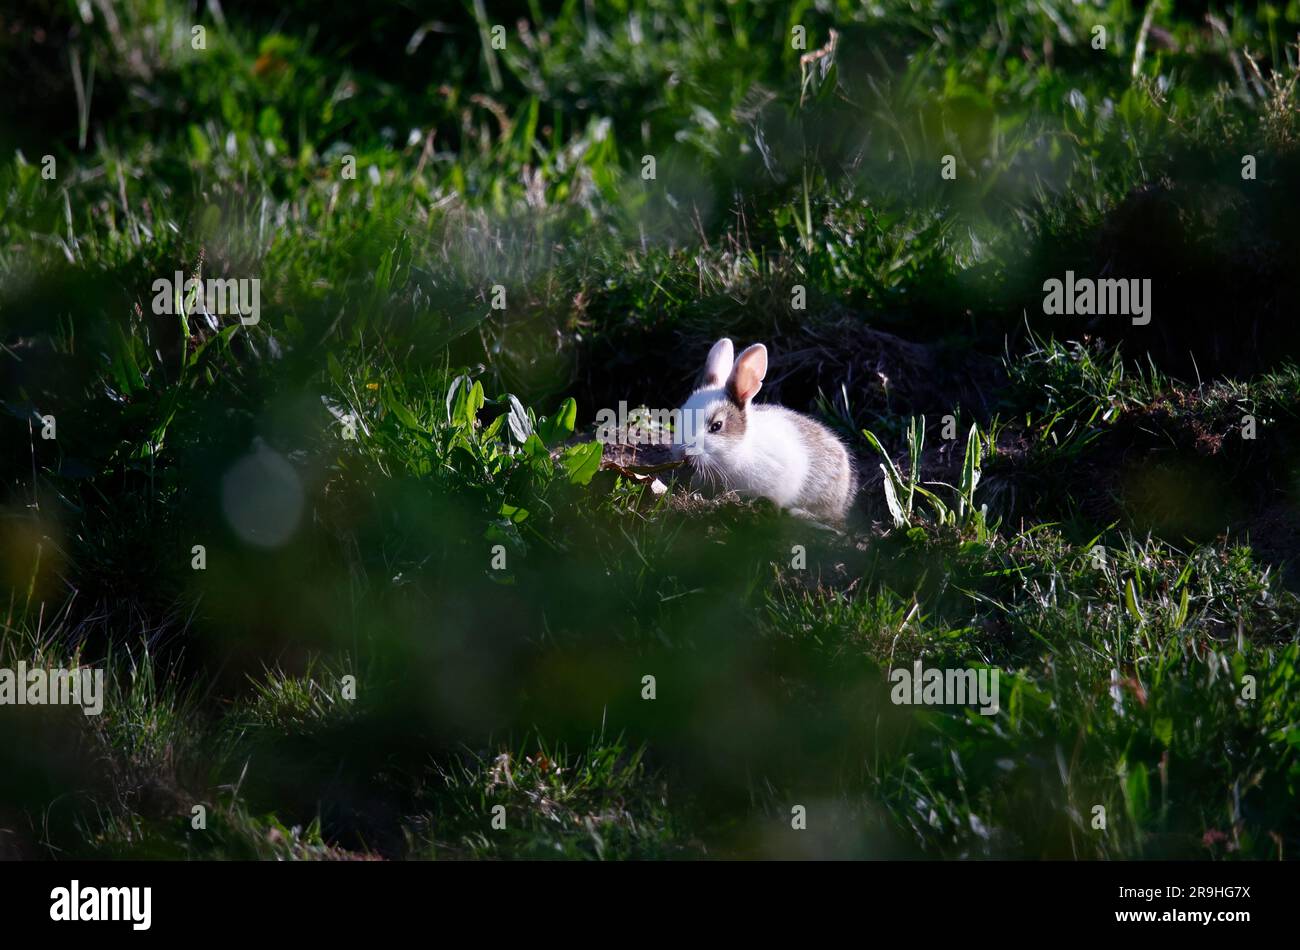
[{"x": 1104, "y": 528}]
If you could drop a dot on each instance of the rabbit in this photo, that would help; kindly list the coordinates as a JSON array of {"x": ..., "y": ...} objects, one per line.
[{"x": 764, "y": 451}]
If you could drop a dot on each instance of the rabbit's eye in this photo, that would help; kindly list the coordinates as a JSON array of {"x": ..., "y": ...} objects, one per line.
[{"x": 715, "y": 426}]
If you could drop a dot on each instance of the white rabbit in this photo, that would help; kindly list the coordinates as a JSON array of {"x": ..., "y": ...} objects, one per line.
[{"x": 762, "y": 451}]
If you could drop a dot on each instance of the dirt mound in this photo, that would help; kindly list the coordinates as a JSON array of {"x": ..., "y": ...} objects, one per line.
[{"x": 879, "y": 370}]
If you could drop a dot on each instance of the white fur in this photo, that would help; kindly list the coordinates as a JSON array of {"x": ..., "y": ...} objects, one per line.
[
  {"x": 717, "y": 367},
  {"x": 783, "y": 456},
  {"x": 771, "y": 461}
]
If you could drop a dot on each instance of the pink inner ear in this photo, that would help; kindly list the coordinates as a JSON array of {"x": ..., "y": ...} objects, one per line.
[
  {"x": 747, "y": 383},
  {"x": 747, "y": 377}
]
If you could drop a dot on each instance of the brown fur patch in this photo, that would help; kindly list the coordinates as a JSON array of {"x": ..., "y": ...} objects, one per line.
[
  {"x": 734, "y": 421},
  {"x": 833, "y": 479}
]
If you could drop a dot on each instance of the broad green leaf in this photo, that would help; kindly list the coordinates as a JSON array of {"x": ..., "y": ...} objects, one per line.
[
  {"x": 464, "y": 400},
  {"x": 520, "y": 427},
  {"x": 891, "y": 499},
  {"x": 404, "y": 415},
  {"x": 455, "y": 395},
  {"x": 513, "y": 513},
  {"x": 582, "y": 461},
  {"x": 559, "y": 427}
]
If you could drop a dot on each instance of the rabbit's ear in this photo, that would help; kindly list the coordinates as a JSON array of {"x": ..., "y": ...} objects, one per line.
[
  {"x": 747, "y": 376},
  {"x": 717, "y": 366}
]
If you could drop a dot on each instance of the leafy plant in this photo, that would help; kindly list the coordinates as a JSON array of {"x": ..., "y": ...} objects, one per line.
[{"x": 901, "y": 491}]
